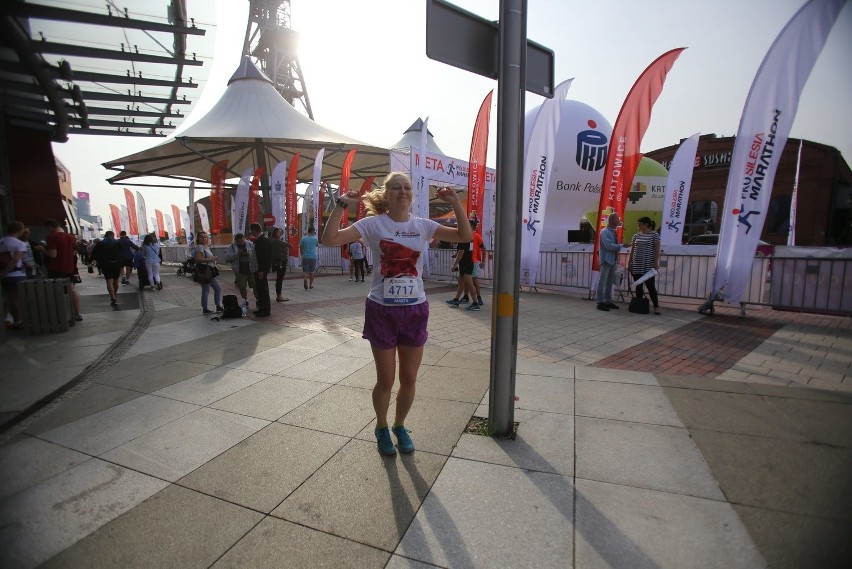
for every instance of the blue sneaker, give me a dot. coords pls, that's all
(403, 441)
(453, 302)
(479, 300)
(464, 300)
(385, 443)
(473, 306)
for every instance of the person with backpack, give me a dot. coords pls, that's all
(128, 250)
(107, 254)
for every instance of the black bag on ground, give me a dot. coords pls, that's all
(232, 307)
(639, 305)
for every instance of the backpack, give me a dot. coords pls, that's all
(231, 306)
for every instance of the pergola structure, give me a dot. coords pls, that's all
(51, 83)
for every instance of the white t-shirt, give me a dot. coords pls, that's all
(11, 245)
(399, 248)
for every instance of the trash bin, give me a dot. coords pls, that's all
(46, 305)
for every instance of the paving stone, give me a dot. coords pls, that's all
(535, 448)
(648, 456)
(272, 541)
(266, 467)
(31, 461)
(271, 398)
(339, 409)
(624, 402)
(615, 375)
(789, 476)
(181, 446)
(212, 385)
(621, 526)
(45, 519)
(364, 496)
(117, 425)
(150, 380)
(94, 399)
(174, 528)
(326, 367)
(792, 541)
(552, 394)
(274, 360)
(458, 384)
(474, 512)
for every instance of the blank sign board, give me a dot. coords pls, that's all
(467, 41)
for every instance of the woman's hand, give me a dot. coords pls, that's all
(447, 194)
(351, 197)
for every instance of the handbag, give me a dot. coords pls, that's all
(91, 269)
(203, 273)
(639, 305)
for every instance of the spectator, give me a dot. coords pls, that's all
(204, 256)
(263, 251)
(359, 259)
(243, 261)
(62, 260)
(12, 272)
(128, 249)
(153, 258)
(644, 256)
(280, 252)
(107, 254)
(608, 256)
(308, 249)
(30, 266)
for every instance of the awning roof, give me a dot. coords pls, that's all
(251, 125)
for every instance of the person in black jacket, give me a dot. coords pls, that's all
(128, 249)
(107, 254)
(263, 252)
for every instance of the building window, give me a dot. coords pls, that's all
(701, 218)
(778, 216)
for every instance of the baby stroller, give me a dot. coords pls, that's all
(187, 268)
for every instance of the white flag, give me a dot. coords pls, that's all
(241, 202)
(764, 127)
(125, 219)
(170, 225)
(190, 225)
(277, 194)
(538, 167)
(155, 228)
(794, 199)
(141, 215)
(315, 191)
(677, 192)
(417, 169)
(202, 214)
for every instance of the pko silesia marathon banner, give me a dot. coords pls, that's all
(539, 156)
(767, 118)
(676, 197)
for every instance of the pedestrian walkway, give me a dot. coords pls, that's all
(643, 441)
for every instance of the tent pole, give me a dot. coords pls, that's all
(260, 156)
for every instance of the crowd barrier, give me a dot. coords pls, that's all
(804, 279)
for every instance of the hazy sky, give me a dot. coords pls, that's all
(368, 76)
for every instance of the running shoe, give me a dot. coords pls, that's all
(385, 442)
(479, 300)
(464, 300)
(473, 306)
(454, 302)
(403, 441)
(206, 312)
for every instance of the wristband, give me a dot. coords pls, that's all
(341, 203)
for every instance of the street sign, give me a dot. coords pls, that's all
(470, 42)
(268, 220)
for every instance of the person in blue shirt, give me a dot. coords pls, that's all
(608, 256)
(308, 250)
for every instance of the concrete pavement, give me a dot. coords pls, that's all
(643, 441)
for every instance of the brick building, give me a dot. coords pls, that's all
(824, 207)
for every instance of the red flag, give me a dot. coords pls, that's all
(254, 197)
(627, 133)
(116, 217)
(217, 195)
(131, 213)
(291, 226)
(346, 172)
(161, 224)
(362, 207)
(176, 216)
(476, 168)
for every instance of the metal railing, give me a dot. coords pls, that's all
(810, 284)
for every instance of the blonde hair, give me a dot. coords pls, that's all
(375, 201)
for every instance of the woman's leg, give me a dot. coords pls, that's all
(409, 364)
(279, 279)
(639, 288)
(652, 291)
(217, 292)
(205, 294)
(385, 375)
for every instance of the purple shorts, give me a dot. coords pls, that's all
(387, 327)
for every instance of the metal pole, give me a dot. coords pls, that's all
(510, 122)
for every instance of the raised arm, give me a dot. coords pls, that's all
(462, 232)
(332, 234)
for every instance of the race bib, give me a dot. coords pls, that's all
(400, 290)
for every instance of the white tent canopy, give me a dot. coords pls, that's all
(251, 126)
(411, 138)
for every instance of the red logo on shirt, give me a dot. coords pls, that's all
(398, 259)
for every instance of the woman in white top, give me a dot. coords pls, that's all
(396, 310)
(204, 256)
